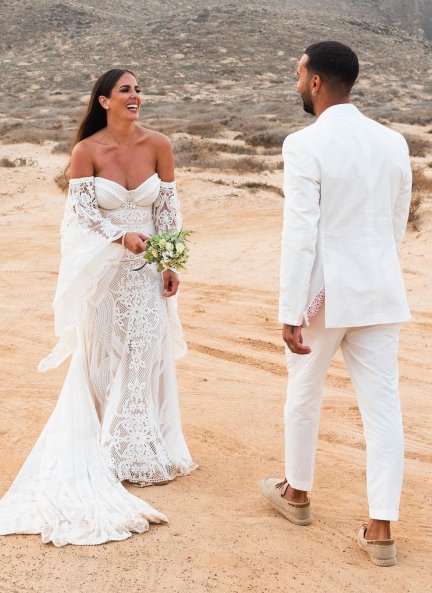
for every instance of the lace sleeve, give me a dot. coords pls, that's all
(88, 255)
(166, 210)
(83, 213)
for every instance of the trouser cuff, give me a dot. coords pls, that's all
(383, 514)
(307, 486)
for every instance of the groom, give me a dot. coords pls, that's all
(347, 192)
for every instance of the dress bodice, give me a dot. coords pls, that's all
(111, 195)
(103, 207)
(129, 209)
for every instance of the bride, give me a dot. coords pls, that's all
(117, 417)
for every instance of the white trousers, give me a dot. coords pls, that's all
(370, 354)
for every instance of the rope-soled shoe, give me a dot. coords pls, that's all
(273, 489)
(381, 552)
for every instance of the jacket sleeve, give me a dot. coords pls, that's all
(403, 201)
(300, 229)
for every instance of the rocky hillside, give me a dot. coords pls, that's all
(213, 63)
(385, 16)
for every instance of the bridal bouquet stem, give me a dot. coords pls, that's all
(168, 251)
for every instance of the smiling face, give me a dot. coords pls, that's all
(304, 85)
(124, 100)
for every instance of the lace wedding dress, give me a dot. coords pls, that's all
(117, 417)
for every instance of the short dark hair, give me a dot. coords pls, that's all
(335, 63)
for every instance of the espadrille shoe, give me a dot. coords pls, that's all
(273, 490)
(381, 552)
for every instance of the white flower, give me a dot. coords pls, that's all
(169, 246)
(179, 247)
(162, 243)
(154, 253)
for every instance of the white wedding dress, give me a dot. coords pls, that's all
(117, 417)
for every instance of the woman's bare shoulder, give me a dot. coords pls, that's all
(90, 144)
(156, 139)
(81, 160)
(163, 153)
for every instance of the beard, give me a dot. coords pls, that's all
(307, 103)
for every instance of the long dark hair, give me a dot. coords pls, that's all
(95, 117)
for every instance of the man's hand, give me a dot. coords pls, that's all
(171, 283)
(293, 338)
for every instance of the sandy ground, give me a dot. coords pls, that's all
(222, 536)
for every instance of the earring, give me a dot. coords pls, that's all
(314, 94)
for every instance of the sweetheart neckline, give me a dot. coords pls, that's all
(123, 187)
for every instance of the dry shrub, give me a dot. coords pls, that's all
(22, 134)
(34, 132)
(417, 146)
(421, 182)
(205, 129)
(18, 162)
(422, 188)
(189, 153)
(255, 185)
(413, 116)
(207, 155)
(62, 181)
(416, 201)
(5, 162)
(245, 165)
(252, 185)
(61, 147)
(267, 139)
(236, 149)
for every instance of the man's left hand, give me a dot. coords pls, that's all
(293, 338)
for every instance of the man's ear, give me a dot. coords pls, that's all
(316, 83)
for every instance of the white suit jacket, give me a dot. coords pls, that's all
(347, 186)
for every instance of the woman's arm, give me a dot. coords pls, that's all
(164, 158)
(166, 211)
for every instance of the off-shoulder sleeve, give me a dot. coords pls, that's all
(82, 215)
(88, 254)
(166, 209)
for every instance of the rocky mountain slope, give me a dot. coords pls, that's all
(229, 62)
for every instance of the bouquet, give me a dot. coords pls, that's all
(168, 251)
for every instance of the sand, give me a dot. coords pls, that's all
(222, 536)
